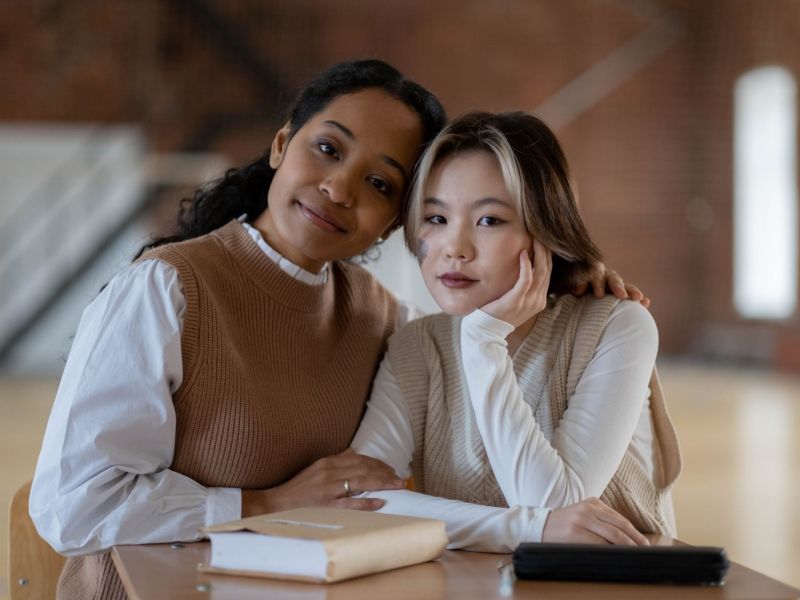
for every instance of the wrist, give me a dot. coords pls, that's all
(258, 502)
(545, 533)
(539, 519)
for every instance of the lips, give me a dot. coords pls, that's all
(322, 219)
(456, 280)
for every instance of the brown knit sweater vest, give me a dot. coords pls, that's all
(449, 458)
(276, 373)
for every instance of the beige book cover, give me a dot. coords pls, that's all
(323, 544)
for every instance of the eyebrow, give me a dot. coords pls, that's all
(476, 204)
(387, 159)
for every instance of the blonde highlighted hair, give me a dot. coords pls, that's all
(536, 175)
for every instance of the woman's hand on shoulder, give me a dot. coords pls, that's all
(602, 279)
(334, 480)
(591, 521)
(528, 297)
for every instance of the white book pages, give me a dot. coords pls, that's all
(247, 551)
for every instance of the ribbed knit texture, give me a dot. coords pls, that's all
(90, 578)
(276, 373)
(449, 458)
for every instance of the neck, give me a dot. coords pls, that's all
(266, 228)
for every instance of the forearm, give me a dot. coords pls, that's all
(385, 432)
(527, 468)
(118, 507)
(103, 474)
(592, 436)
(471, 526)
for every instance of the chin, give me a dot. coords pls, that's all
(456, 309)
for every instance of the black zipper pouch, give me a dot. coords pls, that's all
(631, 564)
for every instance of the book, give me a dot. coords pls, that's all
(322, 544)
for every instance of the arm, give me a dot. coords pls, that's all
(588, 445)
(386, 434)
(103, 474)
(102, 477)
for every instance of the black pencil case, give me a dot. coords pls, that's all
(635, 564)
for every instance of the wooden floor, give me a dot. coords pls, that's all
(740, 436)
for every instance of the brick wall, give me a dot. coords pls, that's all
(644, 93)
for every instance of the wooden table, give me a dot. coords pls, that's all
(160, 571)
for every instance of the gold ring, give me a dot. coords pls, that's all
(347, 488)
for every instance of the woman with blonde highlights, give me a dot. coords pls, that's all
(522, 413)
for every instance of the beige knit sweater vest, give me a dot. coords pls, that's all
(449, 458)
(276, 372)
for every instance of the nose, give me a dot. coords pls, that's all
(339, 188)
(459, 246)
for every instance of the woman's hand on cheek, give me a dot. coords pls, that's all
(528, 297)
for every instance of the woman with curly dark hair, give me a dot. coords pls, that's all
(224, 373)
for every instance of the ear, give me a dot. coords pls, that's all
(279, 145)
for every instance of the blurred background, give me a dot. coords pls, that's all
(679, 118)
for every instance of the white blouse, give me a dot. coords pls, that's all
(103, 475)
(608, 413)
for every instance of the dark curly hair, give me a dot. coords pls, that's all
(244, 190)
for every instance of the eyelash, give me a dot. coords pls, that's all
(381, 185)
(494, 221)
(324, 146)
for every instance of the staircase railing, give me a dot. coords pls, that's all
(52, 231)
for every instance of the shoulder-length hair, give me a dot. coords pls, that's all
(536, 175)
